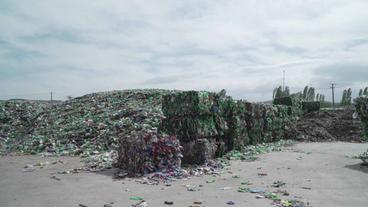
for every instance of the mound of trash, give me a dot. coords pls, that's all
(87, 125)
(328, 125)
(152, 130)
(143, 130)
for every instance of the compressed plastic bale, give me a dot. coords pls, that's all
(287, 100)
(146, 153)
(221, 148)
(239, 132)
(199, 151)
(190, 128)
(132, 153)
(361, 107)
(241, 125)
(260, 120)
(188, 103)
(257, 130)
(237, 123)
(235, 130)
(292, 101)
(310, 106)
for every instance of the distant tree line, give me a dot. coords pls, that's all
(308, 94)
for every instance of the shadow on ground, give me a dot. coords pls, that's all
(359, 167)
(108, 172)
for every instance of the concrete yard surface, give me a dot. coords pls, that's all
(321, 174)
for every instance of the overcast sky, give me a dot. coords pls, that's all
(74, 47)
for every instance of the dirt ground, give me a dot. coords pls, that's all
(319, 173)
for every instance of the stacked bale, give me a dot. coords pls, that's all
(294, 102)
(189, 115)
(310, 106)
(284, 122)
(146, 152)
(266, 123)
(192, 117)
(237, 122)
(210, 124)
(361, 106)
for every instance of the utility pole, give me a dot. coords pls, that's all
(333, 95)
(283, 80)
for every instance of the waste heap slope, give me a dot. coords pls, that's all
(16, 121)
(328, 125)
(88, 124)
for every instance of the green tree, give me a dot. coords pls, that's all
(343, 98)
(274, 93)
(346, 97)
(311, 94)
(287, 91)
(305, 92)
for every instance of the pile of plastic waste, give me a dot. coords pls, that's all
(210, 124)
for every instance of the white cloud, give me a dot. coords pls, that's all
(74, 47)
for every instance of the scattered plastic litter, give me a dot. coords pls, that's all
(246, 182)
(71, 171)
(108, 204)
(169, 203)
(210, 181)
(256, 190)
(259, 196)
(55, 178)
(243, 190)
(140, 204)
(136, 198)
(278, 184)
(192, 188)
